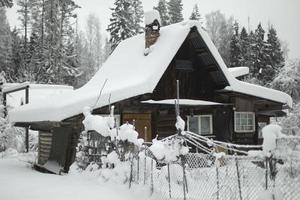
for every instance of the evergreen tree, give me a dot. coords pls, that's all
(252, 54)
(244, 47)
(163, 12)
(195, 13)
(15, 71)
(24, 17)
(175, 8)
(257, 51)
(138, 13)
(121, 24)
(235, 48)
(5, 42)
(275, 57)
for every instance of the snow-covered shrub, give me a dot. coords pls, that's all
(11, 137)
(118, 174)
(103, 139)
(288, 79)
(291, 123)
(168, 150)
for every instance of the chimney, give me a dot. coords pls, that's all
(152, 21)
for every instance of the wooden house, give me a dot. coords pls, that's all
(142, 87)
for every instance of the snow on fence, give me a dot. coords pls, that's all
(205, 177)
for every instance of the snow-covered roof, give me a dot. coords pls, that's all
(37, 92)
(238, 71)
(184, 102)
(129, 73)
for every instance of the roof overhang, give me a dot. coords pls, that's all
(183, 102)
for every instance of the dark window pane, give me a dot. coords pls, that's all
(193, 124)
(205, 125)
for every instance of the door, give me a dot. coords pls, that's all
(141, 120)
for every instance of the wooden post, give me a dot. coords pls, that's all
(145, 134)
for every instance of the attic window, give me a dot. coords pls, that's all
(184, 65)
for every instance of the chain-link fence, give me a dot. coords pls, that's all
(204, 176)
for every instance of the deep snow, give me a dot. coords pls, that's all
(18, 181)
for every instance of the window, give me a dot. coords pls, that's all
(244, 122)
(201, 124)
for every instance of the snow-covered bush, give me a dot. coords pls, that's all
(291, 123)
(288, 79)
(11, 137)
(168, 150)
(103, 139)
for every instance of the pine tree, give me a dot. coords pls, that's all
(163, 12)
(24, 17)
(273, 50)
(235, 48)
(261, 70)
(121, 24)
(244, 46)
(5, 42)
(195, 13)
(175, 8)
(15, 71)
(138, 13)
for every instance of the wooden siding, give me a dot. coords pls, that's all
(45, 143)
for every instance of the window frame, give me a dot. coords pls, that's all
(253, 122)
(199, 123)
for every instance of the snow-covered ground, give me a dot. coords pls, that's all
(18, 181)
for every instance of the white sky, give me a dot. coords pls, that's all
(283, 14)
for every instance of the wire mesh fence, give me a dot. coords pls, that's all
(203, 176)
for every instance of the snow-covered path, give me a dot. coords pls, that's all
(19, 182)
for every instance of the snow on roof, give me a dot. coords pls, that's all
(37, 92)
(7, 87)
(260, 91)
(238, 71)
(184, 102)
(152, 15)
(129, 73)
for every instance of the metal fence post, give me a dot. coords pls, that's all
(145, 167)
(169, 180)
(218, 181)
(238, 178)
(152, 187)
(266, 175)
(131, 173)
(138, 169)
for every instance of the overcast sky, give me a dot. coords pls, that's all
(283, 14)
